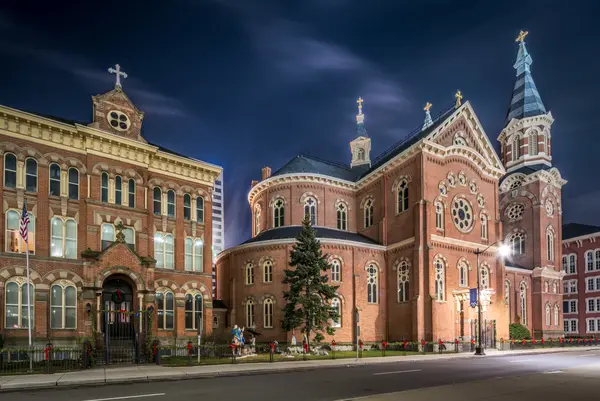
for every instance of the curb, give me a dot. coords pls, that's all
(260, 371)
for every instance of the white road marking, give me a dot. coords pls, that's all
(398, 371)
(520, 360)
(584, 355)
(554, 372)
(128, 397)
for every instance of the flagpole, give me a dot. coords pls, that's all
(29, 300)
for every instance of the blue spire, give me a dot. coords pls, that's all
(360, 120)
(526, 100)
(428, 121)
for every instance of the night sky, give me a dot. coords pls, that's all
(249, 83)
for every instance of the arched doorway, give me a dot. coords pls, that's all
(118, 305)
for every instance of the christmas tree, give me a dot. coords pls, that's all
(308, 299)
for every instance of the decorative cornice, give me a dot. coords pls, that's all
(517, 125)
(461, 243)
(520, 270)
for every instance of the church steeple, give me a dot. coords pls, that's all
(360, 119)
(526, 100)
(361, 146)
(428, 121)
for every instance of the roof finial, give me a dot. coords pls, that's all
(360, 117)
(458, 97)
(119, 73)
(428, 121)
(521, 37)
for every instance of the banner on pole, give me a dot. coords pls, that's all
(473, 297)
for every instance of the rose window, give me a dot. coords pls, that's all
(462, 214)
(515, 184)
(515, 211)
(549, 208)
(118, 120)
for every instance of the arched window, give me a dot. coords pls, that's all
(187, 207)
(63, 238)
(515, 149)
(556, 315)
(565, 266)
(200, 209)
(188, 254)
(548, 318)
(268, 271)
(193, 310)
(439, 216)
(550, 244)
(107, 235)
(215, 322)
(485, 277)
(14, 241)
(546, 287)
(118, 190)
(256, 220)
(268, 313)
(17, 304)
(440, 280)
(523, 297)
(372, 284)
(336, 306)
(250, 313)
(554, 288)
(163, 251)
(104, 187)
(157, 200)
(533, 148)
(402, 195)
(278, 213)
(336, 270)
(310, 210)
(342, 217)
(403, 281)
(165, 309)
(361, 154)
(129, 237)
(10, 170)
(484, 227)
(368, 213)
(463, 274)
(31, 175)
(63, 306)
(517, 243)
(54, 180)
(73, 183)
(171, 203)
(249, 273)
(131, 192)
(198, 255)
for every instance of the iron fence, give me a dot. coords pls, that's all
(40, 360)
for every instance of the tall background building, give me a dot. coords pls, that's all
(218, 230)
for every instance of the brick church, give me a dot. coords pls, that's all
(116, 224)
(401, 229)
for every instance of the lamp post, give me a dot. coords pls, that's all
(503, 251)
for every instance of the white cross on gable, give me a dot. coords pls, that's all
(119, 73)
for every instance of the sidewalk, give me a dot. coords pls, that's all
(146, 373)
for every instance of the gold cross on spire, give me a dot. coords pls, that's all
(360, 102)
(458, 97)
(521, 37)
(427, 106)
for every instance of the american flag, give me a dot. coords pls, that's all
(23, 228)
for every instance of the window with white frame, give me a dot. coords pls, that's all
(597, 259)
(533, 144)
(268, 271)
(592, 305)
(268, 313)
(589, 261)
(336, 306)
(165, 309)
(485, 277)
(193, 254)
(200, 209)
(372, 284)
(336, 270)
(63, 305)
(342, 217)
(548, 316)
(73, 183)
(439, 216)
(157, 201)
(570, 306)
(517, 243)
(402, 196)
(403, 281)
(14, 242)
(278, 213)
(104, 187)
(187, 207)
(550, 244)
(54, 175)
(571, 326)
(463, 274)
(523, 297)
(131, 192)
(10, 170)
(369, 213)
(556, 315)
(17, 304)
(63, 238)
(593, 325)
(163, 250)
(31, 175)
(249, 273)
(250, 313)
(484, 226)
(592, 284)
(193, 310)
(118, 190)
(572, 263)
(440, 280)
(310, 210)
(171, 203)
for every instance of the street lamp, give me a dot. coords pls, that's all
(503, 251)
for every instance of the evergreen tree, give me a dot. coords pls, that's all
(308, 299)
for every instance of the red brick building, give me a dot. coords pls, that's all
(110, 213)
(401, 230)
(581, 285)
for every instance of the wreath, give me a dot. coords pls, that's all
(117, 297)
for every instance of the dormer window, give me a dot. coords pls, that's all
(118, 120)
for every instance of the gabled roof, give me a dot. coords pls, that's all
(289, 232)
(573, 230)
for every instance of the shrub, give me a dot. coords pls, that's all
(519, 332)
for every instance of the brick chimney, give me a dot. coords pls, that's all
(254, 182)
(266, 172)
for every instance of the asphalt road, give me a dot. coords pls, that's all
(325, 384)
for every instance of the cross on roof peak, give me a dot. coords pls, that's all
(117, 71)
